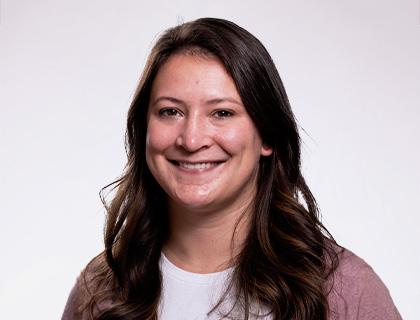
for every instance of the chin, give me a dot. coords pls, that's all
(198, 204)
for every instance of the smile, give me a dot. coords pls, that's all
(197, 166)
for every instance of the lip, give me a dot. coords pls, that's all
(196, 165)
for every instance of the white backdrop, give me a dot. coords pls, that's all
(68, 70)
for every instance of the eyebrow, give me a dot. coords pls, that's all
(221, 100)
(209, 102)
(171, 99)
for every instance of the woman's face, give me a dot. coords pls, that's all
(201, 146)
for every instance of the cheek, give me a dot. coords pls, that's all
(231, 141)
(155, 140)
(244, 138)
(155, 145)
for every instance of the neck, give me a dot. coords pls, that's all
(204, 243)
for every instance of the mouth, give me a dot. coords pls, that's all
(196, 166)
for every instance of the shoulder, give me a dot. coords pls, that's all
(358, 292)
(70, 308)
(92, 288)
(74, 302)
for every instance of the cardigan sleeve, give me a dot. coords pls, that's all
(358, 292)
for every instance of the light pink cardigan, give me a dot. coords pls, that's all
(357, 293)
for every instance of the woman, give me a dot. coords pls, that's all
(212, 217)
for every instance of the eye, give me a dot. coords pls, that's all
(169, 112)
(223, 114)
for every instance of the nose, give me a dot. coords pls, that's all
(194, 134)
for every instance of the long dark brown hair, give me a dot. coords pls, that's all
(287, 257)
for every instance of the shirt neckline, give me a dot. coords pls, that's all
(167, 267)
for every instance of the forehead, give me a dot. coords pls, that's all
(201, 56)
(196, 53)
(189, 72)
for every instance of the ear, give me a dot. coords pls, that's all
(266, 150)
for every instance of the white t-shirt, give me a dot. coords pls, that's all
(190, 296)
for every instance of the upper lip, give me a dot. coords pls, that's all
(195, 161)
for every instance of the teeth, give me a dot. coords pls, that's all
(197, 166)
